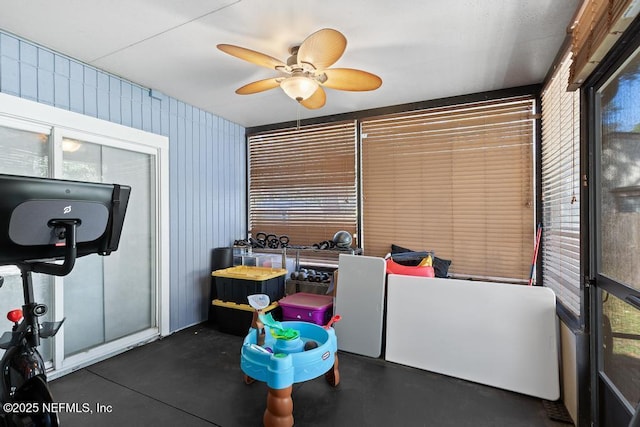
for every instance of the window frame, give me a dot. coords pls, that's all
(359, 116)
(308, 208)
(455, 141)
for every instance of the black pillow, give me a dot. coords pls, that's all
(408, 257)
(395, 249)
(441, 266)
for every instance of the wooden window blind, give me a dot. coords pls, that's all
(302, 182)
(560, 252)
(597, 26)
(455, 180)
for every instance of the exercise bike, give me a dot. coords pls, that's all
(44, 221)
(25, 392)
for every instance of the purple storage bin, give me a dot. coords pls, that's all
(306, 307)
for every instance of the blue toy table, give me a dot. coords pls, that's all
(289, 363)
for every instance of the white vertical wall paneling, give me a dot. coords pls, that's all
(207, 157)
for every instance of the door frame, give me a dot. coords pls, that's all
(606, 402)
(67, 123)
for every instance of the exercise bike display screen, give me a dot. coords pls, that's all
(31, 210)
(29, 222)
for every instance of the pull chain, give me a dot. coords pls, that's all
(574, 199)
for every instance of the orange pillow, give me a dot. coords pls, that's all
(395, 268)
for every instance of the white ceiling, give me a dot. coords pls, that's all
(422, 49)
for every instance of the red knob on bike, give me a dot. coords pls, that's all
(15, 315)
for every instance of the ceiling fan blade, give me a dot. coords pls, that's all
(322, 48)
(259, 86)
(251, 56)
(316, 100)
(351, 79)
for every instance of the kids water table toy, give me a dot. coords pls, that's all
(282, 361)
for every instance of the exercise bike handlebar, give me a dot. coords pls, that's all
(70, 253)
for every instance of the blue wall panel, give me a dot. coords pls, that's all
(207, 158)
(45, 77)
(61, 83)
(9, 64)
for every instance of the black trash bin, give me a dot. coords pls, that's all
(220, 258)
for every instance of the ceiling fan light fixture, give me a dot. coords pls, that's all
(299, 87)
(307, 72)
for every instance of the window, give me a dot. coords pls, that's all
(302, 182)
(455, 180)
(560, 256)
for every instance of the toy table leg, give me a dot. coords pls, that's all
(333, 375)
(279, 412)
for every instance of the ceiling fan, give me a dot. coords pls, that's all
(307, 71)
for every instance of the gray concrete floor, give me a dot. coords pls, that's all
(193, 378)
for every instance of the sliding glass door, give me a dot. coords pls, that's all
(112, 296)
(113, 302)
(617, 242)
(24, 150)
